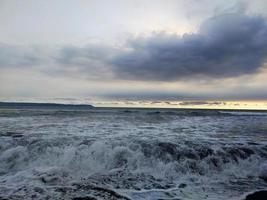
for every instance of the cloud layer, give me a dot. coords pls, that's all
(225, 46)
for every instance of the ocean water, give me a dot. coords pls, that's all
(131, 154)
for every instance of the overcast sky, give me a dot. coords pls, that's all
(134, 49)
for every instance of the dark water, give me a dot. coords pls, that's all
(131, 154)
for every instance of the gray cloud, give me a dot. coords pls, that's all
(84, 56)
(88, 61)
(67, 55)
(20, 56)
(225, 46)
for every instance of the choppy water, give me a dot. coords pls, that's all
(131, 154)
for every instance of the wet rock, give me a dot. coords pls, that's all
(259, 195)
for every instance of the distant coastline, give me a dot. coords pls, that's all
(28, 105)
(69, 106)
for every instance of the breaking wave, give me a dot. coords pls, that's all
(125, 165)
(135, 155)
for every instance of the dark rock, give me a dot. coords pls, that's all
(259, 195)
(263, 178)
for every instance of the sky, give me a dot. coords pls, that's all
(163, 53)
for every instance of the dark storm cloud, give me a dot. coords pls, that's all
(225, 46)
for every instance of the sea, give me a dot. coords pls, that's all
(128, 153)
